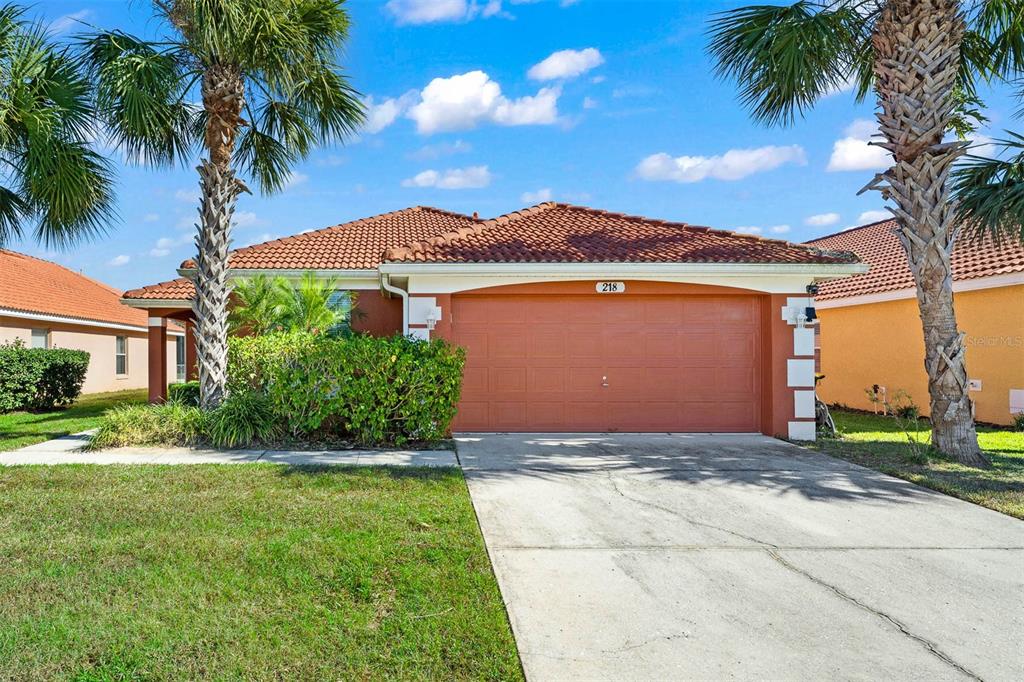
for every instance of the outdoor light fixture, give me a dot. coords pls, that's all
(812, 289)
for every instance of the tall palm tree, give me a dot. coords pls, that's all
(52, 178)
(922, 59)
(270, 89)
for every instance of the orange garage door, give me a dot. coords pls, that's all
(608, 362)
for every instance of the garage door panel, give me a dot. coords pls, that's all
(672, 363)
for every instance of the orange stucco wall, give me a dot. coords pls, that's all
(882, 343)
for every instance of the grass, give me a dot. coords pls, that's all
(884, 443)
(18, 429)
(245, 572)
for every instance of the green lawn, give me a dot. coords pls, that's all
(882, 443)
(245, 572)
(18, 429)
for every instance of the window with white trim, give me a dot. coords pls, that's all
(40, 338)
(121, 355)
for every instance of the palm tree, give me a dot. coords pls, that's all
(922, 59)
(270, 91)
(52, 177)
(259, 304)
(312, 306)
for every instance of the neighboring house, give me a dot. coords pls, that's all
(574, 319)
(870, 328)
(48, 306)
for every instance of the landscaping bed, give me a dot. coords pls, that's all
(900, 448)
(19, 429)
(254, 572)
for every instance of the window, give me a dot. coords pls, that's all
(179, 357)
(40, 338)
(121, 355)
(342, 300)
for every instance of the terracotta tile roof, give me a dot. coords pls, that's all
(356, 245)
(180, 289)
(877, 245)
(33, 285)
(562, 233)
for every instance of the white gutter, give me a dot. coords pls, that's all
(42, 317)
(573, 270)
(385, 283)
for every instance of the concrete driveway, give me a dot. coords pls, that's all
(739, 557)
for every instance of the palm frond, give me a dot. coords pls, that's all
(141, 96)
(14, 212)
(990, 192)
(785, 58)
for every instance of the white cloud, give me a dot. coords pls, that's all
(188, 196)
(331, 160)
(151, 217)
(165, 245)
(537, 197)
(822, 219)
(589, 103)
(852, 151)
(566, 64)
(433, 11)
(751, 229)
(247, 219)
(466, 100)
(873, 216)
(732, 165)
(380, 115)
(431, 152)
(265, 237)
(471, 177)
(748, 230)
(73, 21)
(118, 261)
(779, 229)
(294, 179)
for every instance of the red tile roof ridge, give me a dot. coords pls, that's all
(410, 250)
(134, 293)
(190, 263)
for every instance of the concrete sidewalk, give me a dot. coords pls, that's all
(68, 450)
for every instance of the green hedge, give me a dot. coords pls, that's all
(367, 389)
(40, 378)
(186, 393)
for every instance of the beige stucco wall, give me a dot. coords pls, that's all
(882, 343)
(100, 344)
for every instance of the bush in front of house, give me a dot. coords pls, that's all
(40, 378)
(367, 389)
(186, 393)
(302, 387)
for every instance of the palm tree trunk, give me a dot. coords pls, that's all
(223, 97)
(917, 56)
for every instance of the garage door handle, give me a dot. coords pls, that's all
(604, 381)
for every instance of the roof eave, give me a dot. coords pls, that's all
(816, 270)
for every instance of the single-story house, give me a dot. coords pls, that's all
(574, 319)
(46, 305)
(870, 328)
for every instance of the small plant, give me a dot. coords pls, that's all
(241, 420)
(186, 393)
(906, 413)
(1018, 422)
(168, 424)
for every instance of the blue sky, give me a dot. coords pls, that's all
(489, 106)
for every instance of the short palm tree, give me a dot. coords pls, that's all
(53, 180)
(312, 306)
(922, 59)
(259, 304)
(270, 89)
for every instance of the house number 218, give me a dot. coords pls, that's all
(611, 287)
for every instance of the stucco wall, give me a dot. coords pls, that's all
(882, 343)
(100, 344)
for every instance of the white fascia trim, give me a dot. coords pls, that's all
(586, 270)
(156, 303)
(42, 317)
(977, 284)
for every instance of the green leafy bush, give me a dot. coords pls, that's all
(40, 378)
(1018, 421)
(242, 420)
(168, 424)
(186, 393)
(372, 390)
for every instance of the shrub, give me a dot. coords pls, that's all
(1018, 421)
(40, 378)
(241, 420)
(167, 424)
(186, 393)
(372, 390)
